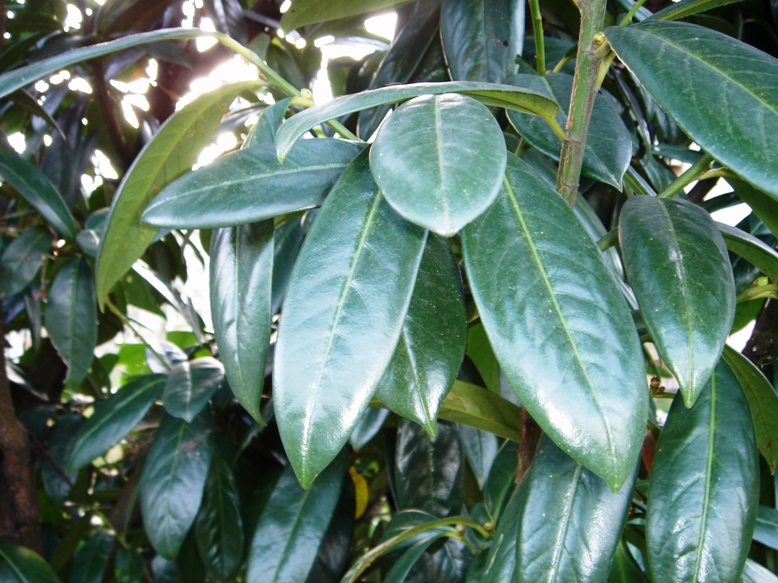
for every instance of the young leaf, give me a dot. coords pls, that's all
(696, 75)
(562, 331)
(432, 343)
(21, 565)
(476, 407)
(22, 259)
(114, 418)
(89, 564)
(674, 256)
(704, 487)
(350, 290)
(751, 249)
(427, 173)
(189, 385)
(174, 474)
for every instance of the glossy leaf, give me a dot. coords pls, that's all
(431, 346)
(476, 407)
(264, 131)
(89, 564)
(113, 419)
(403, 566)
(763, 205)
(696, 75)
(704, 487)
(369, 425)
(293, 525)
(60, 441)
(429, 176)
(189, 385)
(500, 483)
(625, 569)
(303, 12)
(490, 94)
(36, 189)
(766, 530)
(570, 520)
(686, 8)
(335, 550)
(501, 560)
(562, 331)
(21, 260)
(167, 156)
(762, 401)
(71, 317)
(241, 272)
(756, 573)
(481, 39)
(480, 449)
(174, 475)
(608, 149)
(21, 565)
(250, 185)
(287, 240)
(751, 249)
(674, 256)
(480, 352)
(349, 290)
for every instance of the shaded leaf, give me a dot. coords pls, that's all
(402, 566)
(22, 259)
(271, 118)
(368, 426)
(21, 565)
(501, 560)
(189, 385)
(501, 481)
(751, 249)
(303, 12)
(625, 569)
(480, 352)
(756, 573)
(89, 564)
(480, 449)
(686, 8)
(766, 530)
(764, 206)
(476, 407)
(129, 566)
(60, 442)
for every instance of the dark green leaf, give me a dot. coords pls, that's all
(763, 205)
(335, 550)
(71, 317)
(625, 569)
(114, 418)
(89, 564)
(696, 75)
(686, 8)
(287, 241)
(480, 449)
(241, 271)
(704, 487)
(756, 573)
(506, 96)
(303, 12)
(427, 174)
(21, 565)
(751, 249)
(674, 256)
(402, 566)
(22, 259)
(369, 425)
(476, 407)
(562, 331)
(570, 520)
(271, 118)
(766, 530)
(431, 346)
(60, 442)
(36, 189)
(342, 317)
(250, 185)
(129, 566)
(502, 475)
(189, 385)
(174, 474)
(293, 525)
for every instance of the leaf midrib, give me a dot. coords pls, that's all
(562, 532)
(708, 481)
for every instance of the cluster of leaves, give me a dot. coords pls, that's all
(400, 302)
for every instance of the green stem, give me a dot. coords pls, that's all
(537, 30)
(568, 56)
(691, 174)
(608, 240)
(631, 14)
(760, 292)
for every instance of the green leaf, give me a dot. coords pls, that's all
(271, 118)
(763, 403)
(764, 206)
(570, 520)
(686, 8)
(562, 332)
(427, 173)
(293, 524)
(506, 96)
(674, 256)
(21, 565)
(756, 573)
(480, 352)
(129, 566)
(608, 149)
(401, 568)
(59, 444)
(174, 474)
(89, 564)
(766, 530)
(241, 271)
(250, 185)
(22, 259)
(368, 426)
(287, 241)
(431, 346)
(171, 153)
(189, 385)
(219, 525)
(113, 419)
(71, 317)
(304, 12)
(704, 487)
(751, 249)
(500, 483)
(342, 317)
(36, 189)
(625, 569)
(476, 407)
(480, 449)
(696, 75)
(501, 560)
(335, 550)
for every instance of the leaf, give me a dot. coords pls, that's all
(293, 524)
(766, 530)
(167, 156)
(562, 332)
(704, 487)
(36, 189)
(476, 407)
(368, 426)
(174, 474)
(570, 520)
(431, 346)
(241, 272)
(250, 185)
(402, 566)
(686, 8)
(71, 317)
(696, 75)
(59, 444)
(334, 552)
(304, 12)
(189, 385)
(22, 259)
(113, 419)
(674, 256)
(763, 205)
(500, 483)
(762, 401)
(480, 449)
(342, 316)
(21, 565)
(89, 564)
(488, 93)
(751, 249)
(756, 573)
(129, 566)
(287, 240)
(625, 569)
(481, 39)
(271, 118)
(480, 352)
(429, 176)
(608, 149)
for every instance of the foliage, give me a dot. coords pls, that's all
(433, 332)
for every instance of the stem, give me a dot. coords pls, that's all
(631, 14)
(537, 30)
(608, 240)
(760, 292)
(691, 174)
(587, 71)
